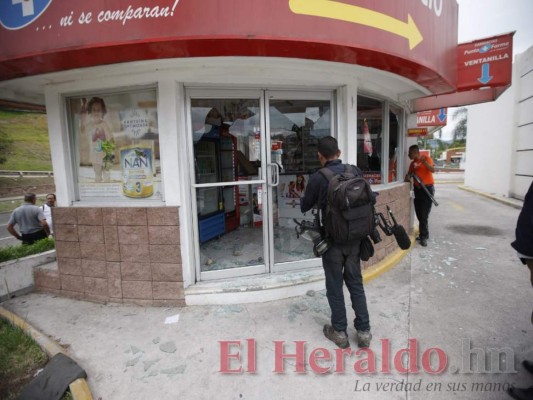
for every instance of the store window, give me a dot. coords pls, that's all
(116, 142)
(378, 139)
(370, 138)
(395, 123)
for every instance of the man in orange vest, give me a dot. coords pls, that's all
(423, 167)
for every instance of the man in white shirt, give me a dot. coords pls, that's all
(47, 209)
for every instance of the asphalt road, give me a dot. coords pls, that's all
(5, 238)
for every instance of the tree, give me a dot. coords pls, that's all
(460, 130)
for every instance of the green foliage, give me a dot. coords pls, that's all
(460, 130)
(29, 149)
(20, 357)
(109, 154)
(23, 250)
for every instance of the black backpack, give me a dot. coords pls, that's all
(350, 205)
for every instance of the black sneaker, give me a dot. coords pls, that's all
(423, 242)
(339, 338)
(363, 338)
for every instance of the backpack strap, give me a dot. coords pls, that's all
(327, 173)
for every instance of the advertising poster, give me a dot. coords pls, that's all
(117, 142)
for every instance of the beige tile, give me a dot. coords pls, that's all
(164, 234)
(72, 283)
(93, 251)
(168, 291)
(112, 252)
(69, 266)
(67, 233)
(94, 269)
(67, 249)
(163, 272)
(165, 253)
(131, 216)
(65, 216)
(133, 235)
(163, 216)
(109, 216)
(91, 233)
(134, 253)
(133, 271)
(89, 216)
(137, 290)
(95, 286)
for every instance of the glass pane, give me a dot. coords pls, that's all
(295, 128)
(395, 118)
(117, 138)
(227, 148)
(369, 138)
(226, 137)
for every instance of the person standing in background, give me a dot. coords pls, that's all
(47, 210)
(423, 167)
(523, 245)
(30, 220)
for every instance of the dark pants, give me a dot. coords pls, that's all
(30, 238)
(342, 263)
(422, 209)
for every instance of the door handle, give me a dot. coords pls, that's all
(274, 174)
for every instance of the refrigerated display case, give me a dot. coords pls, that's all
(216, 161)
(209, 202)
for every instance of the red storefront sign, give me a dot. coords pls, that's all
(485, 62)
(38, 36)
(484, 72)
(432, 117)
(415, 132)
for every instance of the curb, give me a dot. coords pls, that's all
(386, 264)
(491, 196)
(79, 388)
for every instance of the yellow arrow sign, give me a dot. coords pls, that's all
(359, 15)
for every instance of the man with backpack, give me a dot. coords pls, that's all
(341, 262)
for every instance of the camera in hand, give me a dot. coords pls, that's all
(313, 231)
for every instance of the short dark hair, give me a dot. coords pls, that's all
(328, 147)
(29, 197)
(414, 147)
(51, 194)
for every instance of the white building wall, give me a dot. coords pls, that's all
(523, 140)
(489, 145)
(499, 154)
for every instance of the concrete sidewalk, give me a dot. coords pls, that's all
(460, 297)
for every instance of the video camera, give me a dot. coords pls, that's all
(313, 231)
(390, 227)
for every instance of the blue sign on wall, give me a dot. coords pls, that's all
(16, 14)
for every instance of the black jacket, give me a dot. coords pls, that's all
(524, 226)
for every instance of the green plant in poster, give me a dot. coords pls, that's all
(108, 148)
